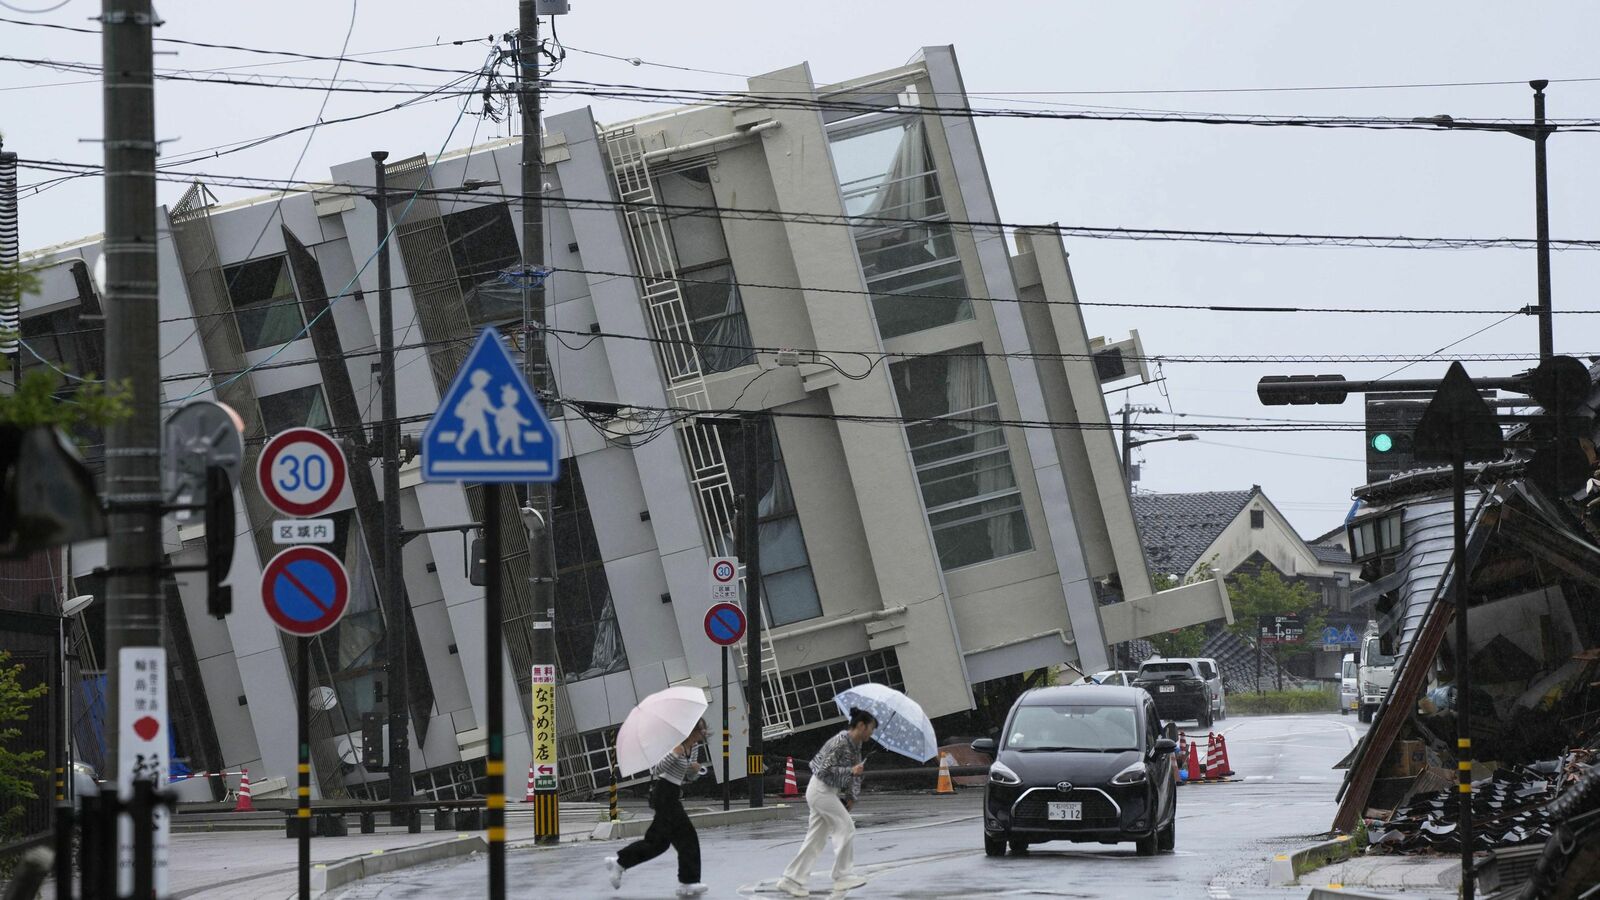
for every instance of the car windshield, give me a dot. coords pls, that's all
(1374, 656)
(1092, 729)
(1169, 668)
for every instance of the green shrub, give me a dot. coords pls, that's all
(1282, 702)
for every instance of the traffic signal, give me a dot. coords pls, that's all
(1301, 390)
(47, 494)
(219, 540)
(1564, 453)
(1391, 419)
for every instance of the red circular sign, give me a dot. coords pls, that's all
(301, 471)
(725, 624)
(724, 571)
(305, 590)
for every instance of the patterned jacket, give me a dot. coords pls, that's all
(833, 763)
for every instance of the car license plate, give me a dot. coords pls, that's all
(1066, 812)
(1168, 688)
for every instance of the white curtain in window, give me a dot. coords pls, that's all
(903, 193)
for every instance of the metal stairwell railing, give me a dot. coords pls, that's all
(651, 241)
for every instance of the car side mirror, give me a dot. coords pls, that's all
(1172, 732)
(1165, 746)
(986, 746)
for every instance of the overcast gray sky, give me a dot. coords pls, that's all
(1231, 178)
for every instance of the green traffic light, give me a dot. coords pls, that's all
(1382, 443)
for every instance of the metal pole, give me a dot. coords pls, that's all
(1458, 484)
(547, 805)
(1541, 206)
(494, 693)
(302, 705)
(10, 255)
(727, 792)
(397, 630)
(750, 520)
(1127, 448)
(132, 307)
(63, 847)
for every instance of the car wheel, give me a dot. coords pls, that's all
(1366, 714)
(1147, 846)
(994, 846)
(1168, 838)
(1019, 848)
(1205, 718)
(1344, 711)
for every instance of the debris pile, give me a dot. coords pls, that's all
(1508, 808)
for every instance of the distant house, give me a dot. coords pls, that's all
(1244, 531)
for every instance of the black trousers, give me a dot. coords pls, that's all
(670, 828)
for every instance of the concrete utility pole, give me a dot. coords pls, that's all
(546, 805)
(755, 445)
(1541, 215)
(133, 444)
(397, 612)
(10, 257)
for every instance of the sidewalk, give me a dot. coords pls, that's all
(261, 865)
(1416, 876)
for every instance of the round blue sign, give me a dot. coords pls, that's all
(725, 624)
(305, 590)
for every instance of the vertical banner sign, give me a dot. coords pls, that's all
(724, 579)
(544, 727)
(142, 744)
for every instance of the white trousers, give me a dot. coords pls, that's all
(829, 818)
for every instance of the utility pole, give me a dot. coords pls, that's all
(750, 521)
(546, 803)
(397, 613)
(133, 444)
(10, 258)
(1541, 212)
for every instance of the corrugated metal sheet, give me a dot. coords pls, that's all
(1429, 544)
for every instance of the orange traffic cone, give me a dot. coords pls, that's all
(1223, 767)
(244, 804)
(944, 786)
(791, 787)
(528, 797)
(1196, 767)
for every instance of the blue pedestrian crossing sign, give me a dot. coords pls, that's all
(489, 426)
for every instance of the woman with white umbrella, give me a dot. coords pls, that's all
(661, 734)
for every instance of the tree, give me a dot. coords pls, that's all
(1267, 594)
(18, 774)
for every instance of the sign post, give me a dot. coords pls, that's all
(725, 626)
(305, 589)
(491, 429)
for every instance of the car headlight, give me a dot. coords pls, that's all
(1000, 773)
(1133, 774)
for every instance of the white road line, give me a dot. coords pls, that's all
(1249, 778)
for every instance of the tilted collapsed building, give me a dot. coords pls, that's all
(908, 534)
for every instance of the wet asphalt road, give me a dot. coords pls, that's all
(911, 846)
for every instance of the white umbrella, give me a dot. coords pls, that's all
(659, 723)
(902, 725)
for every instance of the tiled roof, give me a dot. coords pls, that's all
(1331, 553)
(1177, 528)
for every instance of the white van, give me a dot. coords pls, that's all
(1349, 688)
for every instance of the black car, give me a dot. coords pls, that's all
(1080, 763)
(1180, 694)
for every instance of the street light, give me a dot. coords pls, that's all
(1537, 132)
(69, 608)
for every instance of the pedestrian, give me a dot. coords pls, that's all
(835, 785)
(671, 826)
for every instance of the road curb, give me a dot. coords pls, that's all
(326, 877)
(1286, 868)
(633, 828)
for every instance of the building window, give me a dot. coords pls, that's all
(294, 408)
(709, 289)
(1258, 518)
(264, 302)
(588, 640)
(585, 760)
(786, 582)
(963, 464)
(810, 693)
(886, 171)
(483, 243)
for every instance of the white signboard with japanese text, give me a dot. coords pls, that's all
(302, 531)
(142, 752)
(724, 580)
(544, 727)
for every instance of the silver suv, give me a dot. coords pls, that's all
(1203, 668)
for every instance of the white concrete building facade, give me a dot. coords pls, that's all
(920, 524)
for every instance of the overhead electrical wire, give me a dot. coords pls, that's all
(1097, 232)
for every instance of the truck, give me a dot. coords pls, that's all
(1374, 673)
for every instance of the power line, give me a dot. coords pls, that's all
(1099, 232)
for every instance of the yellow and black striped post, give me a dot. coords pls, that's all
(1463, 653)
(614, 816)
(727, 789)
(493, 628)
(61, 785)
(302, 702)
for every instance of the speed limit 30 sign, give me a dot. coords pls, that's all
(301, 472)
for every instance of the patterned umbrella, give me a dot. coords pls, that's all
(902, 725)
